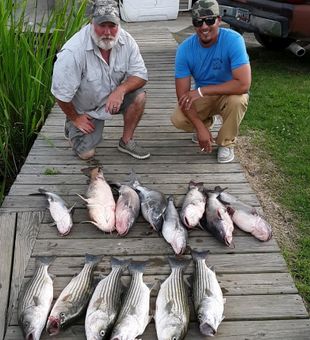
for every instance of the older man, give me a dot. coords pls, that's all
(217, 60)
(100, 72)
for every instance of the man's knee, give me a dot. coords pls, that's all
(139, 101)
(87, 154)
(239, 102)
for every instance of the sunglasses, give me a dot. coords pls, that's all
(208, 20)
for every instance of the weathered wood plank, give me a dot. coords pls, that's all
(27, 229)
(146, 246)
(232, 330)
(158, 264)
(7, 232)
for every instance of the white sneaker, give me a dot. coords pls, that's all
(225, 154)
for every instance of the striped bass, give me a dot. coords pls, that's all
(208, 296)
(74, 298)
(100, 200)
(172, 304)
(105, 303)
(173, 230)
(134, 314)
(35, 301)
(194, 205)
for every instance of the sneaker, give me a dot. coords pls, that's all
(225, 154)
(194, 136)
(66, 132)
(133, 149)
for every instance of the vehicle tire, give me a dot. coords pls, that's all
(273, 43)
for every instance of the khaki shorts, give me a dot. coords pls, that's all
(82, 142)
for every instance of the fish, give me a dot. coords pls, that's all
(194, 205)
(216, 219)
(207, 295)
(35, 300)
(100, 201)
(59, 212)
(173, 230)
(74, 298)
(134, 314)
(172, 304)
(245, 217)
(105, 303)
(153, 204)
(127, 209)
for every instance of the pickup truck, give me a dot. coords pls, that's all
(275, 24)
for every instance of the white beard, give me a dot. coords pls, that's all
(105, 42)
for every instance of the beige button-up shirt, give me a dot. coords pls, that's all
(82, 76)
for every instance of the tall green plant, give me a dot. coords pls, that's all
(27, 50)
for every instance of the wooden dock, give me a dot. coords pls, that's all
(262, 300)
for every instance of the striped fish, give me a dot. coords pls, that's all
(35, 301)
(134, 314)
(172, 304)
(73, 300)
(105, 303)
(208, 296)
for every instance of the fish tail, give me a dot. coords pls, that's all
(42, 191)
(137, 266)
(133, 179)
(199, 255)
(178, 263)
(119, 263)
(45, 260)
(92, 259)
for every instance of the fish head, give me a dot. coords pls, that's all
(32, 323)
(98, 326)
(53, 325)
(191, 216)
(179, 242)
(210, 315)
(58, 319)
(173, 331)
(64, 226)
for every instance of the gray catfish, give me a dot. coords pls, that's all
(134, 314)
(194, 205)
(153, 204)
(35, 301)
(105, 303)
(172, 304)
(246, 217)
(173, 230)
(207, 294)
(217, 220)
(74, 298)
(59, 212)
(127, 209)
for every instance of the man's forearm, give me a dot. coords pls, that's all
(68, 109)
(131, 84)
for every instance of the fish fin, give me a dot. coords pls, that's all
(119, 263)
(224, 301)
(67, 297)
(36, 300)
(137, 266)
(188, 281)
(199, 255)
(53, 224)
(72, 208)
(93, 259)
(169, 306)
(208, 292)
(213, 269)
(223, 317)
(175, 262)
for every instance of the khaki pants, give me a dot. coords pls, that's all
(231, 108)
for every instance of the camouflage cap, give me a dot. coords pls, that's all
(104, 11)
(204, 8)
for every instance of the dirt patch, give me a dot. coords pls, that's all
(263, 177)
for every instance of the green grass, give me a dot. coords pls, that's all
(279, 112)
(27, 52)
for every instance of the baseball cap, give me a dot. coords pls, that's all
(104, 11)
(204, 8)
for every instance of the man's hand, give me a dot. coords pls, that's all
(187, 99)
(205, 140)
(115, 101)
(84, 123)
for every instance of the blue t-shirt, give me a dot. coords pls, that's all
(211, 65)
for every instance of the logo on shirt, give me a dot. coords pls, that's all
(217, 64)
